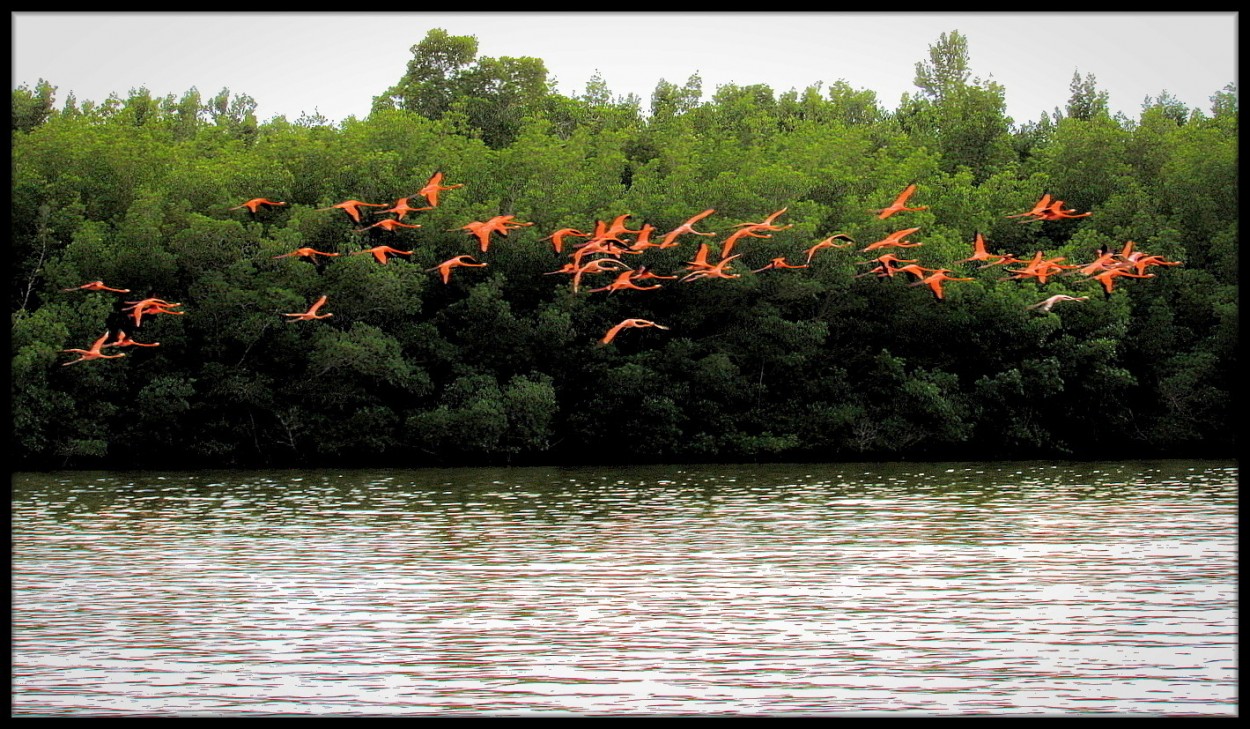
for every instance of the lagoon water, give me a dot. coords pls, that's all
(1051, 589)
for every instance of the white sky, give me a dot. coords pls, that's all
(335, 63)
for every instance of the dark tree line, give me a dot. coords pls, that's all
(503, 363)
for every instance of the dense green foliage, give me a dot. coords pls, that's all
(503, 363)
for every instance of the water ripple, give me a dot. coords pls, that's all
(869, 589)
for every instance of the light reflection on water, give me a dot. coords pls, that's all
(1023, 588)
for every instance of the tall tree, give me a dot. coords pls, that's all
(234, 113)
(670, 100)
(32, 107)
(426, 86)
(851, 106)
(1224, 102)
(490, 95)
(1086, 100)
(1172, 107)
(967, 121)
(947, 68)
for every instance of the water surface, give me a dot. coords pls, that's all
(865, 589)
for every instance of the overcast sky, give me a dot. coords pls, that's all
(335, 63)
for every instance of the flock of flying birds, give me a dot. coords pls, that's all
(605, 247)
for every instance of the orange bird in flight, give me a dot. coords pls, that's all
(139, 313)
(500, 224)
(767, 223)
(738, 235)
(380, 253)
(899, 204)
(1107, 278)
(142, 303)
(888, 259)
(1030, 265)
(507, 222)
(596, 265)
(352, 207)
(557, 238)
(700, 262)
(1140, 262)
(599, 265)
(934, 281)
(914, 269)
(1007, 259)
(1038, 208)
(150, 306)
(829, 243)
(752, 230)
(720, 270)
(603, 246)
(390, 224)
(627, 324)
(95, 352)
(779, 262)
(643, 240)
(642, 274)
(1101, 263)
(626, 280)
(894, 240)
(444, 268)
(980, 252)
(309, 253)
(480, 230)
(255, 204)
(670, 238)
(1055, 211)
(97, 286)
(569, 268)
(311, 313)
(615, 229)
(402, 208)
(433, 187)
(124, 340)
(1040, 269)
(886, 265)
